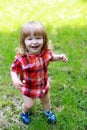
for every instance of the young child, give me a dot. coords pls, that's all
(29, 71)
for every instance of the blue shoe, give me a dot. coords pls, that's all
(25, 118)
(51, 117)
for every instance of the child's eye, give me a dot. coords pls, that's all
(29, 38)
(38, 37)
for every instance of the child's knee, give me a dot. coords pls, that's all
(46, 98)
(28, 102)
(28, 106)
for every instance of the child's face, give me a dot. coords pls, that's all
(34, 44)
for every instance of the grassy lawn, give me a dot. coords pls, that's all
(66, 24)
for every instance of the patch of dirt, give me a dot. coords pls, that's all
(10, 110)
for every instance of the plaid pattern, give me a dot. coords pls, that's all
(33, 71)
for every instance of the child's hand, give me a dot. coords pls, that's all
(63, 57)
(18, 84)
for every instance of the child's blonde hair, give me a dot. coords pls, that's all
(32, 27)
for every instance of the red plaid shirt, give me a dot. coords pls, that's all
(33, 69)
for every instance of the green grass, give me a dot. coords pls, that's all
(66, 24)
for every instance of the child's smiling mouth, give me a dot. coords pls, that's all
(35, 47)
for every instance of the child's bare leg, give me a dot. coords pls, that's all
(28, 103)
(47, 108)
(46, 102)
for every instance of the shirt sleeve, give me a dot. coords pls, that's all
(16, 65)
(50, 55)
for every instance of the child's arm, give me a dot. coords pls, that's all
(58, 57)
(16, 81)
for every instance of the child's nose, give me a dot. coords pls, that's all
(34, 41)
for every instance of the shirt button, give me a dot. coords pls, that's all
(24, 81)
(43, 91)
